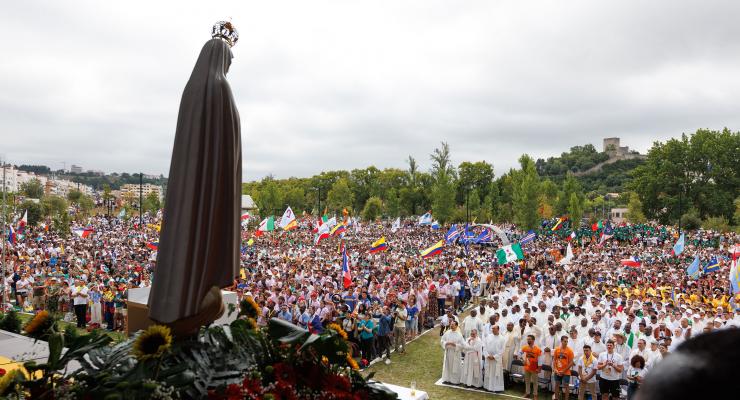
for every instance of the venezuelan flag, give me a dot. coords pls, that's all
(434, 250)
(379, 245)
(340, 228)
(153, 245)
(559, 224)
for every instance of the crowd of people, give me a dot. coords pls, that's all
(579, 322)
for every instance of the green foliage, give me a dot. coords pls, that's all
(575, 210)
(33, 189)
(36, 169)
(151, 202)
(340, 196)
(11, 322)
(392, 203)
(269, 198)
(35, 211)
(698, 171)
(476, 176)
(720, 224)
(373, 209)
(443, 197)
(578, 159)
(634, 210)
(736, 218)
(691, 219)
(526, 193)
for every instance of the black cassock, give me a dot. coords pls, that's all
(200, 237)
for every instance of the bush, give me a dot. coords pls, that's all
(373, 209)
(720, 224)
(10, 322)
(691, 220)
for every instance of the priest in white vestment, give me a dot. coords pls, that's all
(493, 351)
(512, 338)
(453, 344)
(472, 374)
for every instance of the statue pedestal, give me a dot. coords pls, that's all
(138, 313)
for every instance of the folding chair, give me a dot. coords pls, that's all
(546, 378)
(623, 384)
(516, 372)
(574, 382)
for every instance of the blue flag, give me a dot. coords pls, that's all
(529, 237)
(452, 234)
(712, 266)
(678, 247)
(693, 269)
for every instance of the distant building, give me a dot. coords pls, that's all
(618, 215)
(248, 203)
(613, 149)
(75, 169)
(132, 189)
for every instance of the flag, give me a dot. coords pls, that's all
(288, 221)
(396, 225)
(426, 219)
(245, 216)
(331, 221)
(734, 277)
(61, 248)
(122, 213)
(631, 262)
(678, 247)
(693, 270)
(435, 225)
(322, 233)
(571, 236)
(337, 230)
(530, 236)
(346, 276)
(631, 339)
(267, 225)
(433, 250)
(509, 253)
(596, 226)
(379, 245)
(83, 233)
(735, 252)
(11, 235)
(712, 266)
(153, 245)
(485, 237)
(452, 234)
(24, 221)
(559, 224)
(250, 241)
(568, 256)
(606, 234)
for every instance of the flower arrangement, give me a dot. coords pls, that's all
(236, 361)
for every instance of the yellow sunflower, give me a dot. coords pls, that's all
(250, 308)
(39, 321)
(7, 380)
(352, 363)
(338, 329)
(252, 324)
(153, 342)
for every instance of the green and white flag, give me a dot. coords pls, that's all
(509, 253)
(267, 224)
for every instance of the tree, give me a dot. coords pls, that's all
(373, 209)
(634, 210)
(719, 224)
(392, 203)
(74, 196)
(526, 193)
(474, 175)
(442, 161)
(86, 205)
(575, 211)
(340, 196)
(34, 211)
(269, 198)
(151, 202)
(443, 189)
(33, 189)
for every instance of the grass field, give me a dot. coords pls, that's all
(423, 364)
(116, 336)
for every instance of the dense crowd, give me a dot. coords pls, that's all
(525, 313)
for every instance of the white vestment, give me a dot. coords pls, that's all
(493, 377)
(511, 345)
(472, 374)
(453, 359)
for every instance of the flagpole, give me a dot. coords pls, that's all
(2, 307)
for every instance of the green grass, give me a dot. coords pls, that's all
(116, 336)
(423, 364)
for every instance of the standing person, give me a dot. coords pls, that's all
(493, 351)
(635, 375)
(79, 298)
(399, 328)
(587, 373)
(562, 364)
(512, 338)
(471, 373)
(365, 327)
(531, 354)
(610, 365)
(96, 311)
(452, 343)
(385, 326)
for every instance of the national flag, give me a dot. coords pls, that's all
(568, 256)
(11, 235)
(596, 226)
(337, 230)
(734, 277)
(267, 225)
(452, 234)
(426, 219)
(530, 236)
(631, 262)
(678, 247)
(24, 221)
(485, 237)
(433, 250)
(346, 275)
(693, 270)
(379, 245)
(607, 233)
(712, 266)
(631, 339)
(509, 253)
(735, 252)
(288, 221)
(322, 233)
(83, 233)
(245, 216)
(435, 225)
(153, 245)
(571, 236)
(558, 224)
(396, 225)
(331, 222)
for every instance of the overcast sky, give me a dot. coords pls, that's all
(342, 84)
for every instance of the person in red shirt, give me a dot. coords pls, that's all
(531, 355)
(562, 362)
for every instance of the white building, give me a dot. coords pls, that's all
(130, 189)
(75, 169)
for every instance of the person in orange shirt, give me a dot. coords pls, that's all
(531, 354)
(562, 363)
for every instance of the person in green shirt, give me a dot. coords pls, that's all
(365, 328)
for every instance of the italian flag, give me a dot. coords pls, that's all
(509, 253)
(267, 225)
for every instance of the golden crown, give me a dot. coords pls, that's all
(225, 31)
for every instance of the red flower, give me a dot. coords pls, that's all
(252, 385)
(2, 372)
(338, 383)
(284, 373)
(284, 391)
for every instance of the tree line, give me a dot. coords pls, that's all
(700, 168)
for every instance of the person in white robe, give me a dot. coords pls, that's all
(512, 338)
(493, 351)
(472, 371)
(453, 344)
